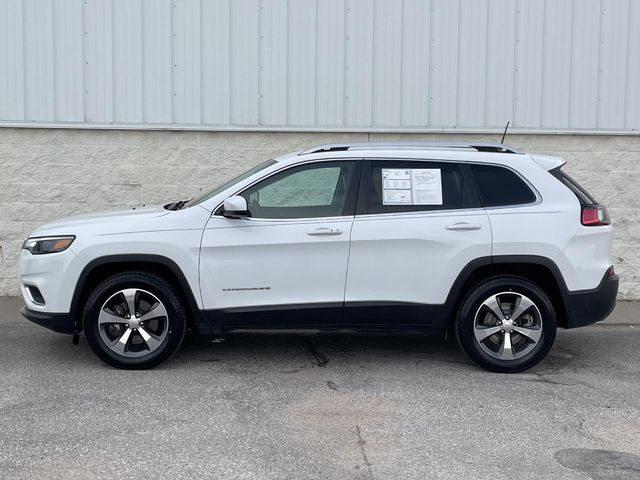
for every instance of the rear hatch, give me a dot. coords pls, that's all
(586, 259)
(593, 214)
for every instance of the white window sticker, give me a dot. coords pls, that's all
(411, 186)
(397, 197)
(396, 174)
(397, 184)
(426, 184)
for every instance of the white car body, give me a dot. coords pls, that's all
(366, 260)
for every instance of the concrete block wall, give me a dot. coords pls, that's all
(51, 173)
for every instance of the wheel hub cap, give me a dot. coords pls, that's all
(507, 325)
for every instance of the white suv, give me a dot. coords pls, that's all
(498, 246)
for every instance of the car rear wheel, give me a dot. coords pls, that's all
(134, 320)
(506, 324)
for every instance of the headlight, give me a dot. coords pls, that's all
(40, 245)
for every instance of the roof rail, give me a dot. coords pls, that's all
(494, 147)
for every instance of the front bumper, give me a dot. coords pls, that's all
(54, 274)
(587, 307)
(58, 322)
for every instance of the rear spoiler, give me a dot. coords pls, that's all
(548, 162)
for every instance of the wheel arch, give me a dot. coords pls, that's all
(102, 268)
(540, 270)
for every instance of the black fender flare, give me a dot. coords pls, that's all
(456, 291)
(131, 258)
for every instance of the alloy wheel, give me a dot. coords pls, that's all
(133, 322)
(508, 326)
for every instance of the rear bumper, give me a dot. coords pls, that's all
(58, 322)
(587, 307)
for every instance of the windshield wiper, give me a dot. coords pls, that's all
(177, 205)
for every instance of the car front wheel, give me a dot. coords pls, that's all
(506, 324)
(134, 320)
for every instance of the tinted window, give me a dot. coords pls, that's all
(414, 186)
(583, 196)
(307, 191)
(500, 186)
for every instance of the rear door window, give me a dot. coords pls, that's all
(414, 186)
(500, 186)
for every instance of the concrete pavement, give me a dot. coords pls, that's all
(325, 406)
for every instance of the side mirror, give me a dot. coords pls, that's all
(235, 207)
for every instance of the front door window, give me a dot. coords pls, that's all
(307, 191)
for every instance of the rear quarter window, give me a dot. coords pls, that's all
(583, 196)
(500, 186)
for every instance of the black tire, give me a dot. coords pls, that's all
(174, 328)
(465, 324)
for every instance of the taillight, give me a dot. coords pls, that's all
(594, 215)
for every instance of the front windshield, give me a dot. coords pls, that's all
(230, 183)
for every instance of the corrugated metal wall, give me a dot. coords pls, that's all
(333, 64)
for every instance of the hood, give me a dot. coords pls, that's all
(69, 225)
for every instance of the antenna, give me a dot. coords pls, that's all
(505, 132)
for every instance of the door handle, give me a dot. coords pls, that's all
(464, 226)
(325, 231)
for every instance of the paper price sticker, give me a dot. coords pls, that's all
(426, 186)
(413, 186)
(397, 197)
